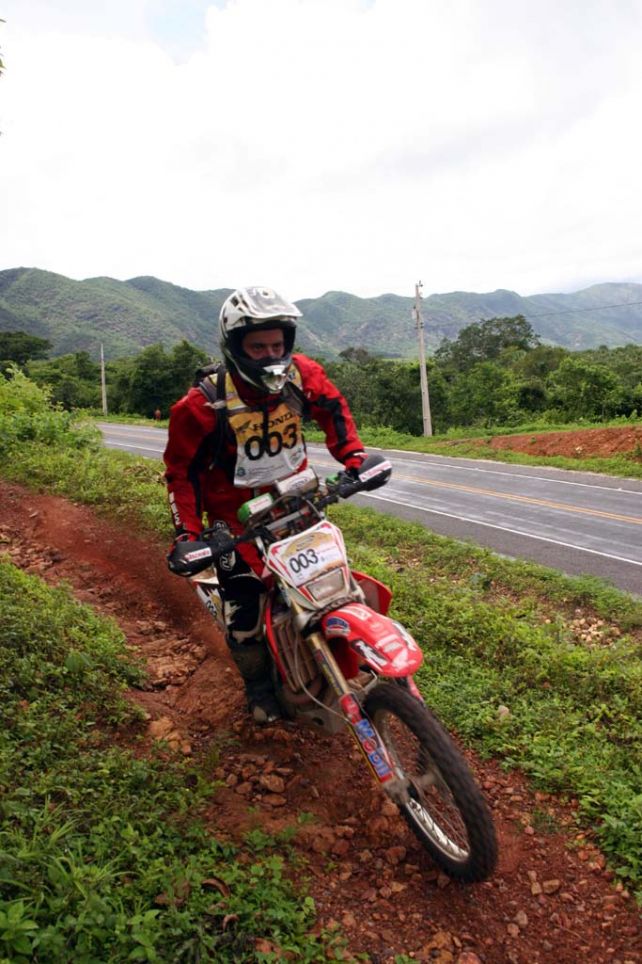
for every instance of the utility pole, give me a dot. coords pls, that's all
(425, 397)
(103, 384)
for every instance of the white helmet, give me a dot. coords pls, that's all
(246, 310)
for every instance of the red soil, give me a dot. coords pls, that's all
(584, 443)
(552, 898)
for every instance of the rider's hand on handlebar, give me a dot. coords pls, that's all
(371, 472)
(351, 468)
(353, 464)
(220, 541)
(184, 537)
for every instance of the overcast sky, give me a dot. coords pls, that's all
(316, 145)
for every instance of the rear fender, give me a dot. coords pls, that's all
(374, 639)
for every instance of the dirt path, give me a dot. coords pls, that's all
(548, 901)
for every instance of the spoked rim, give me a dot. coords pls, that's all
(427, 793)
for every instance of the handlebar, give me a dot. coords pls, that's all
(190, 558)
(374, 472)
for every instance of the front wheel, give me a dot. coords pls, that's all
(443, 805)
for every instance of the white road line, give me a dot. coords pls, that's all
(490, 525)
(460, 518)
(149, 432)
(451, 465)
(510, 475)
(123, 445)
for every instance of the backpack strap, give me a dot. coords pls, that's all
(210, 380)
(203, 371)
(293, 392)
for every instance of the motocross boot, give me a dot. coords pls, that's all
(252, 661)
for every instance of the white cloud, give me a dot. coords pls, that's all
(317, 144)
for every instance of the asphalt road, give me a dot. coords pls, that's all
(577, 522)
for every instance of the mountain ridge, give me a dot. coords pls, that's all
(126, 316)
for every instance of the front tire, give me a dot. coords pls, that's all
(443, 806)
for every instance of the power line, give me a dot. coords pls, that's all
(572, 311)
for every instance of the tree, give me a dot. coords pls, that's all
(357, 355)
(19, 347)
(74, 380)
(540, 361)
(485, 395)
(86, 369)
(387, 393)
(151, 384)
(582, 390)
(532, 395)
(486, 341)
(158, 379)
(186, 359)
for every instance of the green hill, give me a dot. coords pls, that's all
(129, 315)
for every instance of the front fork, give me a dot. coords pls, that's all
(368, 740)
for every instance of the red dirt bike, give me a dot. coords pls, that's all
(339, 660)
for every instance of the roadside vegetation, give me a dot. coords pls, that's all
(102, 855)
(541, 670)
(496, 376)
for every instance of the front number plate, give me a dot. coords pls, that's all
(304, 557)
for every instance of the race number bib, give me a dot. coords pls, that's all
(266, 452)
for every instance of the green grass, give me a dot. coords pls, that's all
(102, 855)
(620, 465)
(95, 415)
(575, 709)
(130, 488)
(498, 632)
(494, 632)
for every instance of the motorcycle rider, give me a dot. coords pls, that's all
(232, 435)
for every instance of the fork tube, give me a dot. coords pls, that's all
(364, 733)
(321, 652)
(327, 664)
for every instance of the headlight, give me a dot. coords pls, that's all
(325, 587)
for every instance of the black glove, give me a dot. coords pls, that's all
(189, 555)
(373, 472)
(220, 540)
(348, 475)
(353, 463)
(348, 482)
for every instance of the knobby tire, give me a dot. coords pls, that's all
(440, 784)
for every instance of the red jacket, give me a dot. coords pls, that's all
(196, 488)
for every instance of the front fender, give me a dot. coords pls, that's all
(375, 639)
